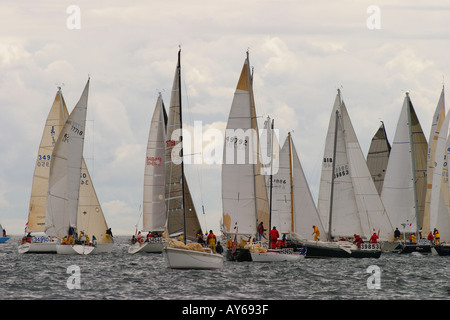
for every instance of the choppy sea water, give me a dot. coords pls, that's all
(121, 276)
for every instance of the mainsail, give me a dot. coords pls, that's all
(436, 125)
(295, 208)
(404, 185)
(38, 200)
(244, 194)
(154, 213)
(348, 201)
(378, 157)
(439, 216)
(181, 215)
(65, 172)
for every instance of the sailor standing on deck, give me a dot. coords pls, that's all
(211, 241)
(273, 236)
(316, 233)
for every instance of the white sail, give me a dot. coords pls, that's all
(378, 157)
(438, 119)
(405, 180)
(181, 213)
(348, 201)
(244, 194)
(55, 121)
(439, 216)
(154, 206)
(295, 208)
(65, 171)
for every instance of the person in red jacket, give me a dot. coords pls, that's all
(273, 236)
(358, 240)
(374, 238)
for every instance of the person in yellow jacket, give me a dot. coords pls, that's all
(413, 238)
(316, 233)
(437, 237)
(211, 241)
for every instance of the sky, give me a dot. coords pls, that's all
(301, 52)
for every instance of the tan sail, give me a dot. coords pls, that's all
(53, 126)
(90, 217)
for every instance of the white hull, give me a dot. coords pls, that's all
(275, 256)
(73, 249)
(103, 248)
(146, 247)
(191, 259)
(37, 247)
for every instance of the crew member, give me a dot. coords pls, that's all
(374, 238)
(316, 233)
(273, 236)
(211, 241)
(437, 237)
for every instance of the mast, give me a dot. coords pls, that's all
(413, 165)
(181, 152)
(333, 169)
(292, 186)
(271, 174)
(250, 82)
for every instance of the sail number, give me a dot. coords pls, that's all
(370, 246)
(154, 161)
(43, 160)
(236, 141)
(83, 179)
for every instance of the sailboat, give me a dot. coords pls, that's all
(378, 157)
(404, 187)
(3, 236)
(295, 210)
(244, 195)
(348, 204)
(276, 181)
(182, 218)
(64, 180)
(36, 240)
(154, 214)
(439, 217)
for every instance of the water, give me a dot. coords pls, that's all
(121, 276)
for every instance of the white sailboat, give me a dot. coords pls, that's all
(433, 151)
(378, 157)
(244, 194)
(439, 216)
(348, 203)
(404, 187)
(278, 194)
(64, 180)
(182, 218)
(154, 213)
(295, 211)
(36, 240)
